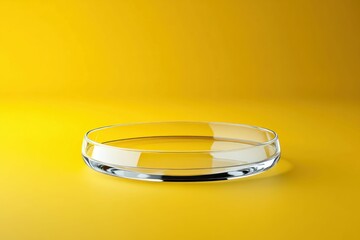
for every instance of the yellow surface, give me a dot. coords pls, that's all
(69, 66)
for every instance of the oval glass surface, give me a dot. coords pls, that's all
(181, 151)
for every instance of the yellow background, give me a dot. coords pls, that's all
(69, 66)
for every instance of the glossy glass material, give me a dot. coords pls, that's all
(181, 151)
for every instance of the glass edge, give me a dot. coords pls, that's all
(273, 140)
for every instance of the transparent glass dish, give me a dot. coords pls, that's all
(181, 151)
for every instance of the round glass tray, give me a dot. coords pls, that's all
(181, 151)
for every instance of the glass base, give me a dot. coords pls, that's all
(219, 174)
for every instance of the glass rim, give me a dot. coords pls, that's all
(263, 129)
